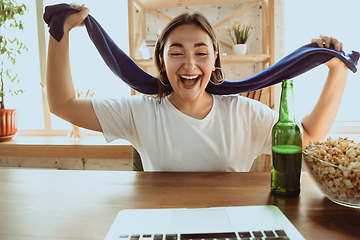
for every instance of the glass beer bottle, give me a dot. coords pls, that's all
(286, 147)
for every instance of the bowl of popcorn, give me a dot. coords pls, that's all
(334, 166)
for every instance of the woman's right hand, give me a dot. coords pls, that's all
(76, 19)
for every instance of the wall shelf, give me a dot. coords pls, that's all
(183, 3)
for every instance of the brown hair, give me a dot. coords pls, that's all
(183, 19)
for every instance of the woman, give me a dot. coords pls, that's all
(186, 128)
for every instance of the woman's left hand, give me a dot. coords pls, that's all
(325, 41)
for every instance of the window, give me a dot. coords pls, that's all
(302, 23)
(27, 67)
(306, 21)
(88, 68)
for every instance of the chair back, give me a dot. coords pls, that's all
(136, 160)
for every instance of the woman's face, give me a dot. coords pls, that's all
(189, 60)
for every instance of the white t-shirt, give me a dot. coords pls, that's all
(229, 138)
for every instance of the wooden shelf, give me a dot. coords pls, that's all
(145, 62)
(249, 58)
(183, 3)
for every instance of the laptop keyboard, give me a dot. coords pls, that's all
(251, 235)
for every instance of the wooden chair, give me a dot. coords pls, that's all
(136, 160)
(266, 96)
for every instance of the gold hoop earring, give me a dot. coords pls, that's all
(222, 74)
(165, 85)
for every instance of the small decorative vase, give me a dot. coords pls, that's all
(239, 49)
(8, 124)
(75, 134)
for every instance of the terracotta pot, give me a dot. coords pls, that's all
(8, 124)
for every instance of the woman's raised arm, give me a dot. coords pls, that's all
(318, 122)
(59, 85)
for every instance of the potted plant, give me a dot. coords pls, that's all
(239, 34)
(9, 49)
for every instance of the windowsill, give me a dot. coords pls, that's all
(350, 136)
(345, 128)
(92, 147)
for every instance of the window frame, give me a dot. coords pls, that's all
(47, 130)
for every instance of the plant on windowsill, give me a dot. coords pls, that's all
(10, 48)
(239, 34)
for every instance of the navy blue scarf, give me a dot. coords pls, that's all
(294, 64)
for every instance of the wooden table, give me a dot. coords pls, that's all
(51, 204)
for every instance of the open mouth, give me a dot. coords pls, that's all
(189, 80)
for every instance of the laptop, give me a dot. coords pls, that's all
(223, 223)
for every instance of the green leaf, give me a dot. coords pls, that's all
(14, 78)
(7, 72)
